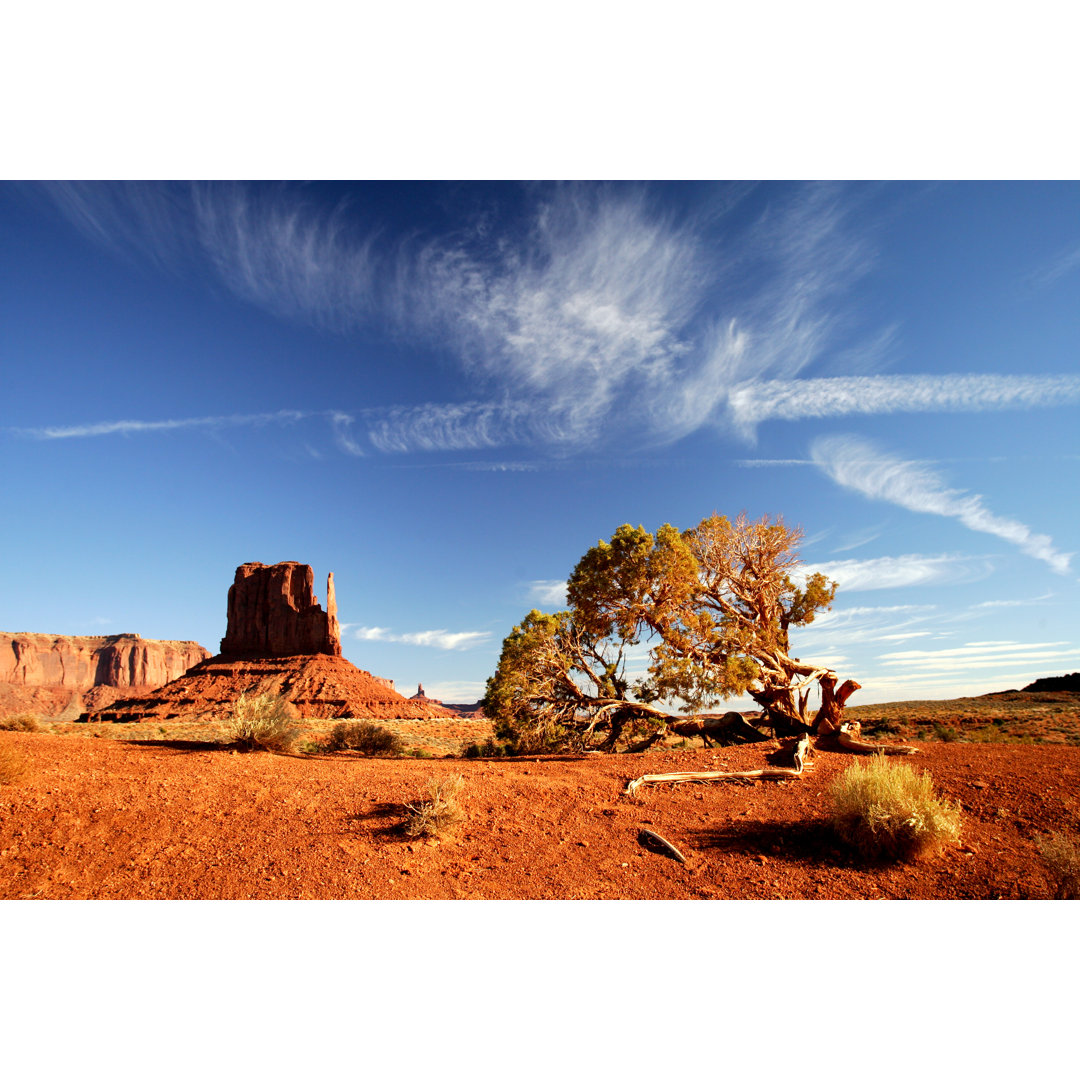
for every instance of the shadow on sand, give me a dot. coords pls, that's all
(794, 842)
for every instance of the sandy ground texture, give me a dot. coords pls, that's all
(99, 819)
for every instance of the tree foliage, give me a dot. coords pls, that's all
(559, 686)
(714, 603)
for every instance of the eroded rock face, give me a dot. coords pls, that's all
(80, 663)
(55, 674)
(273, 611)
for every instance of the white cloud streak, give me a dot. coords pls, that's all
(980, 656)
(434, 639)
(137, 427)
(901, 571)
(1065, 262)
(753, 402)
(858, 465)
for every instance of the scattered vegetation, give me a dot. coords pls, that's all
(887, 810)
(439, 814)
(262, 722)
(364, 737)
(488, 749)
(12, 764)
(1061, 857)
(22, 722)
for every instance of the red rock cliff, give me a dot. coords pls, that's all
(80, 663)
(273, 611)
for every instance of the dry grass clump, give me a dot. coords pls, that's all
(439, 814)
(364, 737)
(887, 810)
(12, 764)
(262, 722)
(22, 722)
(1061, 857)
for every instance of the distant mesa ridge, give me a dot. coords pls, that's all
(1056, 682)
(83, 662)
(55, 674)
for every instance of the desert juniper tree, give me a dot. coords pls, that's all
(715, 604)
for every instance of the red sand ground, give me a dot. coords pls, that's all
(106, 820)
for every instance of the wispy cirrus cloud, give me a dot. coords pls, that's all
(137, 427)
(901, 571)
(1061, 264)
(434, 639)
(753, 402)
(859, 465)
(981, 654)
(594, 313)
(600, 308)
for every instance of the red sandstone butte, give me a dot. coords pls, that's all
(278, 641)
(273, 611)
(48, 673)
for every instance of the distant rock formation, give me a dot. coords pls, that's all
(1056, 682)
(273, 611)
(51, 673)
(475, 711)
(277, 641)
(463, 712)
(319, 686)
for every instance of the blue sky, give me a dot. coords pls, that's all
(446, 392)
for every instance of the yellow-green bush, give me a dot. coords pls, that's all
(262, 722)
(438, 814)
(364, 737)
(887, 810)
(22, 722)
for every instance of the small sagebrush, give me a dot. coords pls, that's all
(365, 738)
(12, 764)
(1061, 857)
(439, 814)
(262, 722)
(22, 722)
(887, 810)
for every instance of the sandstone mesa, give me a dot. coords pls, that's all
(54, 673)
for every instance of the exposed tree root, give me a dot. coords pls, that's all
(802, 750)
(848, 738)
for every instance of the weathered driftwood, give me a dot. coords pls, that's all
(848, 738)
(648, 838)
(802, 750)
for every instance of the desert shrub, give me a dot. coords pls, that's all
(365, 737)
(1061, 857)
(438, 814)
(888, 810)
(946, 733)
(12, 764)
(262, 722)
(490, 748)
(22, 722)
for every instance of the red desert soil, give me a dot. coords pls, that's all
(98, 819)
